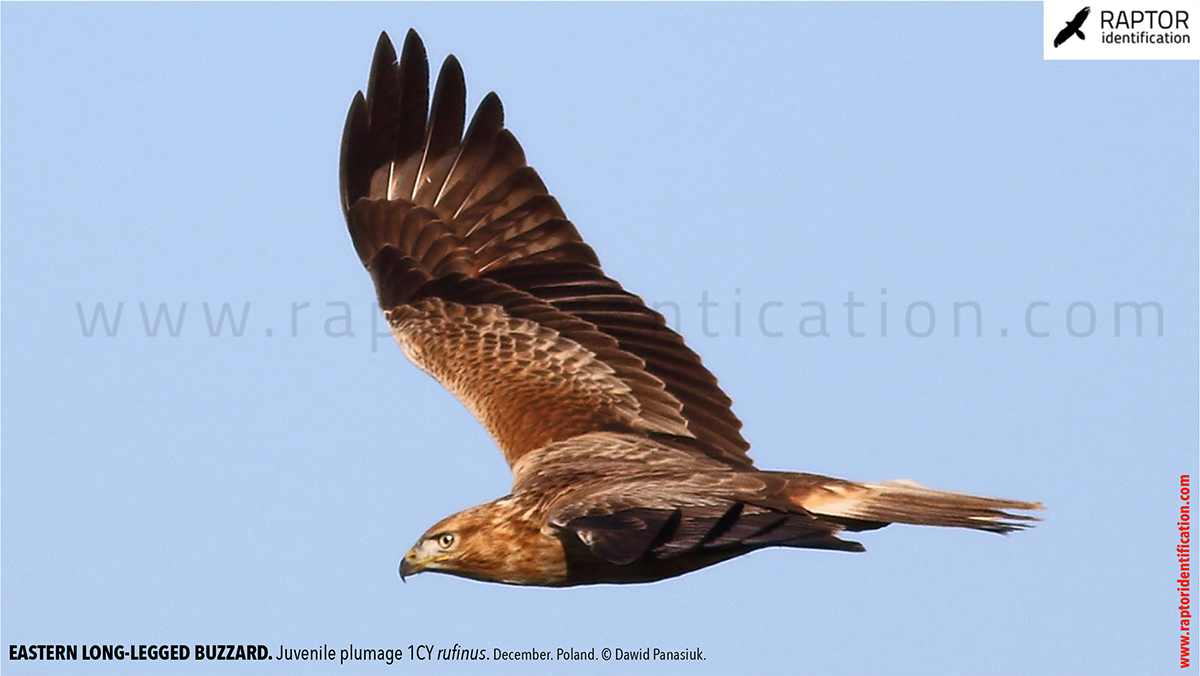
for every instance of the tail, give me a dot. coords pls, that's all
(867, 506)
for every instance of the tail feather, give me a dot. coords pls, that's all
(903, 501)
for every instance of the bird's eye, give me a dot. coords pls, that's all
(446, 540)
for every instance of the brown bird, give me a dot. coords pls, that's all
(628, 464)
(1073, 27)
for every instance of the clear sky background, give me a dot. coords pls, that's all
(263, 488)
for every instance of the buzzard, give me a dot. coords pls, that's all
(627, 461)
(1073, 27)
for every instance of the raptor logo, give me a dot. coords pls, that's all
(1073, 27)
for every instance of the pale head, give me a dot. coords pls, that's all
(497, 541)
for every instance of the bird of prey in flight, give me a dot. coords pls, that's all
(1073, 27)
(627, 461)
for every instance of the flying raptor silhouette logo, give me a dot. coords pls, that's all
(1073, 27)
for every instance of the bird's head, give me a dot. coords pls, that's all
(445, 547)
(494, 542)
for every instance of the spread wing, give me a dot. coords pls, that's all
(1082, 16)
(489, 288)
(665, 517)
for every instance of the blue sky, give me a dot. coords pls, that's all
(771, 159)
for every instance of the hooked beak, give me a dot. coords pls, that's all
(425, 555)
(409, 565)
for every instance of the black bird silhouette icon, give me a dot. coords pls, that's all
(1073, 27)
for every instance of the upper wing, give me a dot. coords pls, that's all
(1082, 16)
(489, 288)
